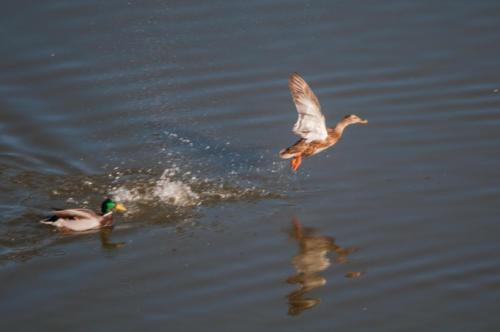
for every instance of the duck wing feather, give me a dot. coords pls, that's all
(76, 214)
(311, 123)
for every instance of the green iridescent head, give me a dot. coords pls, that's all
(109, 205)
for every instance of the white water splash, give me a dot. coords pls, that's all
(164, 190)
(174, 192)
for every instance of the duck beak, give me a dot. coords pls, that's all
(120, 208)
(364, 121)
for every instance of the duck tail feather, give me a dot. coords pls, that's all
(287, 154)
(49, 220)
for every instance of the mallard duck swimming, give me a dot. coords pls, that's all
(84, 219)
(311, 125)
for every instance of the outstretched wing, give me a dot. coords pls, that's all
(310, 124)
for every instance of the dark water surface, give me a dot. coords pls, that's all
(178, 109)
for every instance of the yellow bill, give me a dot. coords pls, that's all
(120, 208)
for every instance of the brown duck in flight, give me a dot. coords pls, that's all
(311, 125)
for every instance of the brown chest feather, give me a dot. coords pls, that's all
(311, 148)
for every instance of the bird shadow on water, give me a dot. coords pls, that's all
(309, 262)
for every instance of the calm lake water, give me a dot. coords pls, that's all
(179, 108)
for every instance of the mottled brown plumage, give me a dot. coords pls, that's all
(311, 125)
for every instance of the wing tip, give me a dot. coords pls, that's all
(297, 85)
(294, 76)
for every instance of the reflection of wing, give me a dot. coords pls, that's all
(76, 214)
(311, 122)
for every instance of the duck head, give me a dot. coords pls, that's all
(352, 118)
(109, 205)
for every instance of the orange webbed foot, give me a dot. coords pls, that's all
(295, 163)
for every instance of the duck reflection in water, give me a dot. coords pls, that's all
(104, 235)
(309, 262)
(106, 242)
